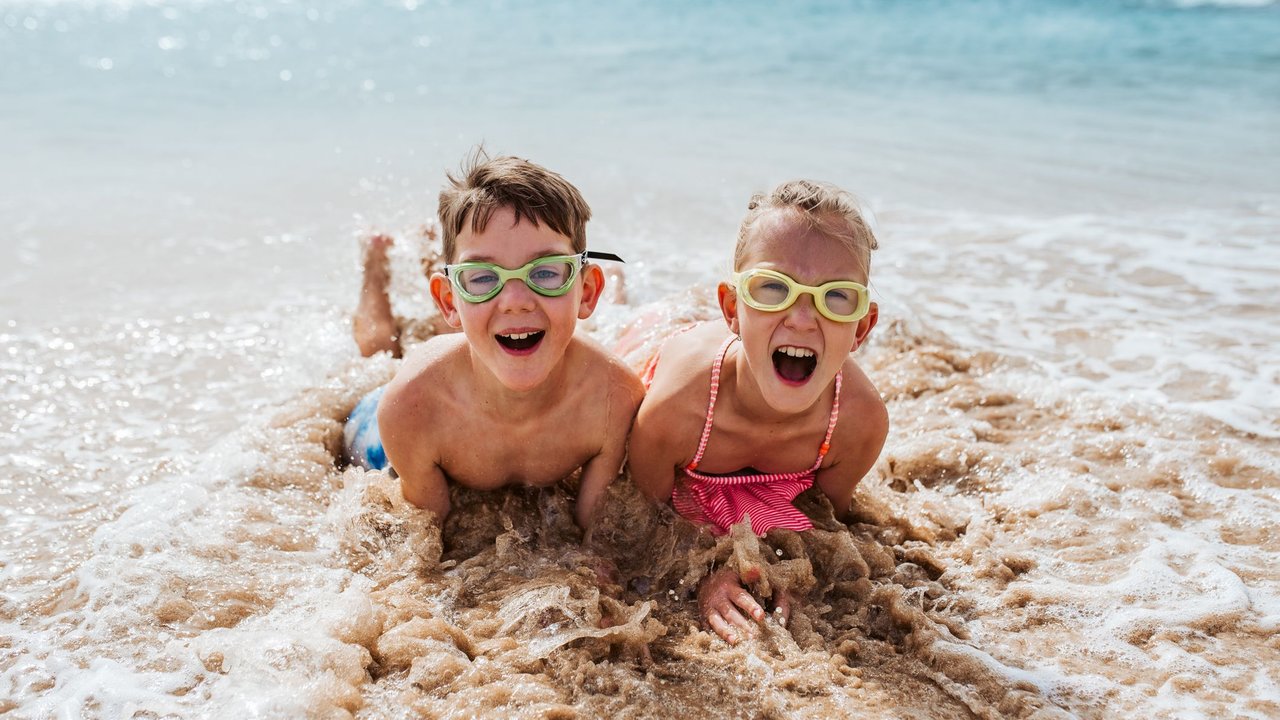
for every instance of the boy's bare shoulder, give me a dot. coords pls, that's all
(601, 371)
(429, 373)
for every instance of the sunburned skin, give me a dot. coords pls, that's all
(489, 407)
(776, 390)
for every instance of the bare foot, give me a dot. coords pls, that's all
(616, 285)
(373, 325)
(722, 600)
(432, 261)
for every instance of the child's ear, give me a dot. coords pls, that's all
(865, 325)
(592, 289)
(442, 293)
(728, 299)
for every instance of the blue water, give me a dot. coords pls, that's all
(915, 99)
(141, 136)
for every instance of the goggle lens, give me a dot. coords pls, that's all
(553, 276)
(843, 301)
(767, 291)
(476, 281)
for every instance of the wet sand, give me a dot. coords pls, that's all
(1013, 556)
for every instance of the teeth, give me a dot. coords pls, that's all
(516, 336)
(794, 351)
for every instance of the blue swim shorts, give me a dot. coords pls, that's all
(361, 442)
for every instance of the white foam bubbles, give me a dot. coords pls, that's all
(1164, 309)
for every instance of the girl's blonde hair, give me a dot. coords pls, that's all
(831, 211)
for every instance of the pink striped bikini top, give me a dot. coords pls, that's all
(722, 500)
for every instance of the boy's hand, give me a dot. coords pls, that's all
(725, 606)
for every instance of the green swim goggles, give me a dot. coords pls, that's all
(549, 276)
(843, 301)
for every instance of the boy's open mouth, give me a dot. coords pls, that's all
(794, 364)
(521, 341)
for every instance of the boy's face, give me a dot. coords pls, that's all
(518, 335)
(794, 354)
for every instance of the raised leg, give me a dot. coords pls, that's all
(615, 285)
(373, 326)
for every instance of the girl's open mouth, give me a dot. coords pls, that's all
(520, 342)
(794, 364)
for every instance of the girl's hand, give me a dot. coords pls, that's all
(725, 606)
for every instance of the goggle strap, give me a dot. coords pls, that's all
(596, 255)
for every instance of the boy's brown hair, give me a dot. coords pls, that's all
(531, 191)
(827, 208)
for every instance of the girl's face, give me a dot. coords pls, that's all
(792, 355)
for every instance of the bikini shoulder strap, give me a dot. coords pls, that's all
(831, 425)
(711, 402)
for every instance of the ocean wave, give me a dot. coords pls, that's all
(1186, 4)
(1019, 550)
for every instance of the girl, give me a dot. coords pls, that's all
(740, 418)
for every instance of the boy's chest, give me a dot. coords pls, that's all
(487, 455)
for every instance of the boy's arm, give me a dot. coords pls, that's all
(427, 490)
(867, 440)
(411, 453)
(624, 397)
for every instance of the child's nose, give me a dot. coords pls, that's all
(803, 314)
(515, 296)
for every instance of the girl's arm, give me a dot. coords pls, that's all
(649, 453)
(864, 439)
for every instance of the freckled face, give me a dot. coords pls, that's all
(518, 335)
(793, 355)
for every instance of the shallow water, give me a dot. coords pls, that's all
(1019, 552)
(1078, 206)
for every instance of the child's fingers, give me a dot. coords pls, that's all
(722, 628)
(743, 599)
(744, 626)
(739, 620)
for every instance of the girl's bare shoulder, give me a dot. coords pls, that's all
(684, 362)
(864, 419)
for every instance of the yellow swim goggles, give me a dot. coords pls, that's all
(843, 301)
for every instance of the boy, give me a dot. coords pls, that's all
(515, 398)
